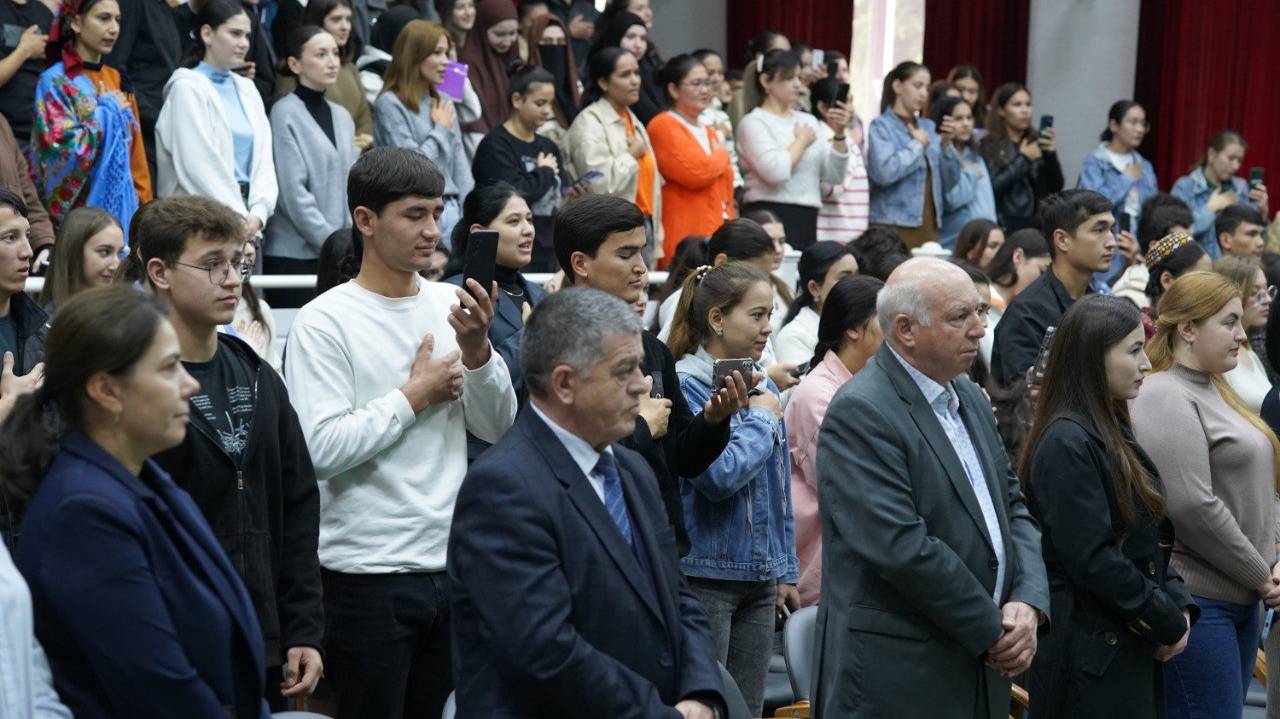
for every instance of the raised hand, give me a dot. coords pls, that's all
(470, 319)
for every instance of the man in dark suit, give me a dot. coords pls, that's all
(942, 585)
(565, 590)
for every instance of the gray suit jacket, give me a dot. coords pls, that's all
(907, 610)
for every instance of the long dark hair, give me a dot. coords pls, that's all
(850, 305)
(973, 239)
(482, 206)
(1075, 385)
(318, 10)
(900, 73)
(1002, 271)
(814, 264)
(212, 13)
(722, 287)
(969, 72)
(746, 239)
(997, 137)
(689, 255)
(600, 66)
(102, 329)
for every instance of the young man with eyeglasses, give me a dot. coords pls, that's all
(244, 459)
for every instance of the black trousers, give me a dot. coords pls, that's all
(387, 644)
(801, 222)
(288, 266)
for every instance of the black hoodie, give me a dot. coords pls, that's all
(265, 512)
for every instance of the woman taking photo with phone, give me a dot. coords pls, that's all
(1120, 612)
(846, 207)
(608, 138)
(136, 604)
(742, 563)
(906, 154)
(698, 194)
(213, 137)
(971, 197)
(1023, 162)
(314, 147)
(93, 157)
(783, 161)
(410, 112)
(514, 153)
(848, 336)
(1218, 462)
(1213, 186)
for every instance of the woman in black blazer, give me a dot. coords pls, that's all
(1118, 610)
(138, 608)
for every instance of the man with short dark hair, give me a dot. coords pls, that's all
(1239, 230)
(23, 323)
(245, 461)
(388, 378)
(566, 598)
(1078, 225)
(599, 243)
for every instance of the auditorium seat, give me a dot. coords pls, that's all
(797, 643)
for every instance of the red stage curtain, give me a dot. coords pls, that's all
(988, 34)
(824, 24)
(1204, 67)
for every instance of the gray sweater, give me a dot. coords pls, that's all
(313, 179)
(395, 126)
(1219, 479)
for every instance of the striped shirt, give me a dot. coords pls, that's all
(845, 210)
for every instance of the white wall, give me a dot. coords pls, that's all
(687, 25)
(1081, 57)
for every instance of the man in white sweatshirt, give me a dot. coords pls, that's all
(387, 373)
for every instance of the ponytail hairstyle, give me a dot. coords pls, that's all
(600, 66)
(901, 73)
(704, 289)
(212, 13)
(1196, 297)
(1116, 114)
(775, 64)
(814, 264)
(102, 329)
(744, 239)
(482, 206)
(850, 305)
(1220, 142)
(521, 77)
(689, 255)
(764, 42)
(673, 72)
(293, 45)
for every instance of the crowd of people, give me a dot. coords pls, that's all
(1030, 431)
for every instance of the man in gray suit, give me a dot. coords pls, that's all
(935, 586)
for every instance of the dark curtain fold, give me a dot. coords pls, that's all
(823, 24)
(1205, 67)
(988, 34)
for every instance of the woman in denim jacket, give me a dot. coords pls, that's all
(1213, 186)
(742, 563)
(971, 197)
(905, 155)
(1115, 170)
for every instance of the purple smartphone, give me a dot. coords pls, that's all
(455, 79)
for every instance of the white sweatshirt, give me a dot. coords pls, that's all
(388, 479)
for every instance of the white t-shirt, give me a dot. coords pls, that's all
(388, 478)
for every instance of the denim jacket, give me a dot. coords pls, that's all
(1099, 174)
(896, 166)
(970, 198)
(1194, 190)
(738, 513)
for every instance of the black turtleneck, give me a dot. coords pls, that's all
(319, 109)
(511, 283)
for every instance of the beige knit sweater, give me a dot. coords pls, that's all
(1219, 479)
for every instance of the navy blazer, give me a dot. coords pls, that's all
(552, 613)
(507, 328)
(136, 605)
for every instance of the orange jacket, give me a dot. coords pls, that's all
(698, 194)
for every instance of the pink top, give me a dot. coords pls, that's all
(805, 410)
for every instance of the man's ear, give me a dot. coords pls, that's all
(157, 273)
(365, 220)
(580, 264)
(561, 384)
(1061, 242)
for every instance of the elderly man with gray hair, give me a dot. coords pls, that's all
(942, 586)
(566, 596)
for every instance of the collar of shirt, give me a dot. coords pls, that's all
(583, 454)
(939, 397)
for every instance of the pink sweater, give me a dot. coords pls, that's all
(805, 410)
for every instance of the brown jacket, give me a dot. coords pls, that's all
(15, 175)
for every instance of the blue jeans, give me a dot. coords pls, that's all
(1209, 679)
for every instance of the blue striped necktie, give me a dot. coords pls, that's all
(614, 502)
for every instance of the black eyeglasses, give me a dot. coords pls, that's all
(219, 270)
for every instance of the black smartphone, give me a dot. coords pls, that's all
(723, 369)
(1046, 122)
(1123, 223)
(1042, 360)
(842, 93)
(482, 258)
(1255, 177)
(657, 391)
(800, 371)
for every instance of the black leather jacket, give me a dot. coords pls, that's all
(1019, 183)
